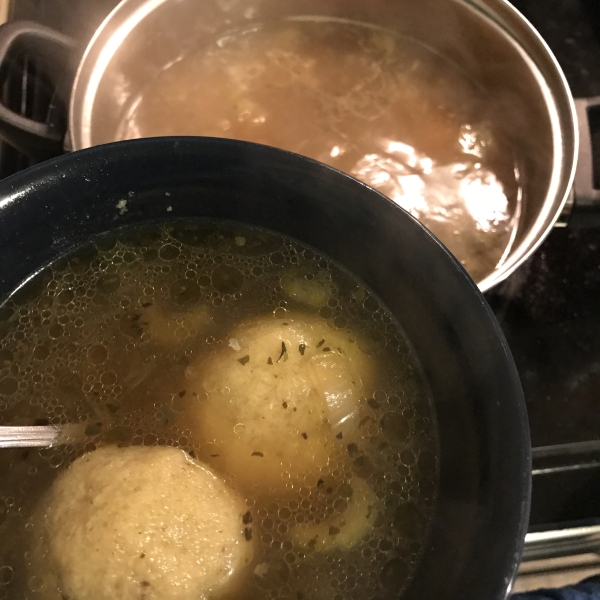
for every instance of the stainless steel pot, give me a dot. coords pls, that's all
(488, 39)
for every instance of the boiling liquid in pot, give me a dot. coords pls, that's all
(367, 101)
(116, 336)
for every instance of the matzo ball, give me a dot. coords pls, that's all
(273, 401)
(141, 523)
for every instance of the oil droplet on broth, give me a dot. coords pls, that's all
(370, 102)
(130, 373)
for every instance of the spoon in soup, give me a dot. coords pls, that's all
(41, 436)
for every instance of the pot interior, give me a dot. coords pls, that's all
(484, 46)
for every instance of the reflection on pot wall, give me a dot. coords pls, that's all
(382, 107)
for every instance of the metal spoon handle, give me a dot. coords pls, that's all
(29, 437)
(41, 436)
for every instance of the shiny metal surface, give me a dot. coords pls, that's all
(549, 202)
(488, 39)
(562, 542)
(40, 436)
(584, 178)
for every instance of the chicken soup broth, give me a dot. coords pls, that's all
(373, 103)
(231, 357)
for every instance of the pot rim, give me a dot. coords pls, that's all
(565, 155)
(517, 30)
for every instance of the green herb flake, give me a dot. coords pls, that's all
(270, 361)
(258, 454)
(283, 352)
(305, 435)
(327, 349)
(352, 449)
(378, 520)
(339, 436)
(284, 404)
(168, 415)
(244, 360)
(94, 429)
(320, 343)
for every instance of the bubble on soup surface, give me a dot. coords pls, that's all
(6, 575)
(345, 529)
(227, 280)
(177, 528)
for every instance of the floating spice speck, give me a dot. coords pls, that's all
(373, 403)
(302, 348)
(283, 352)
(258, 454)
(320, 343)
(94, 429)
(244, 360)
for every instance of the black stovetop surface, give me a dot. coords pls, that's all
(549, 309)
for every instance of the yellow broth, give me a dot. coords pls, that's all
(114, 337)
